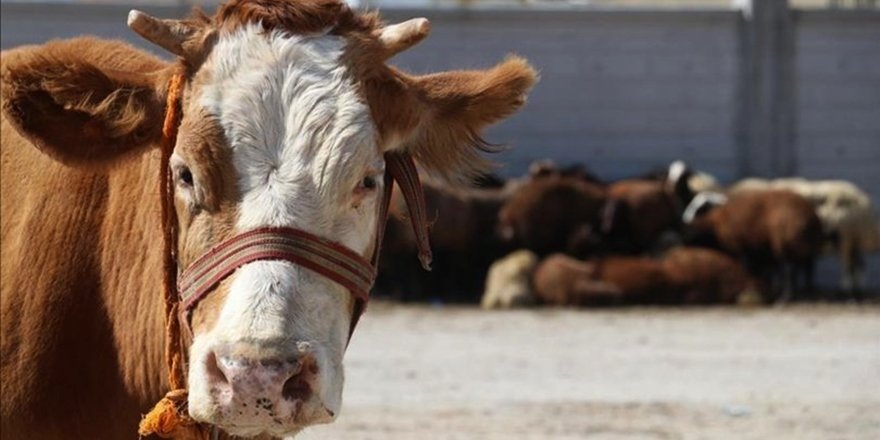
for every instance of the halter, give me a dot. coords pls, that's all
(328, 258)
(333, 260)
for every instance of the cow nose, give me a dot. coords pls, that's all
(261, 383)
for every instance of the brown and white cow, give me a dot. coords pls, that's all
(287, 111)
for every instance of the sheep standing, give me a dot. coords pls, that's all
(546, 213)
(641, 210)
(847, 217)
(680, 177)
(775, 231)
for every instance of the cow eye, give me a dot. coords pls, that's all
(185, 176)
(368, 182)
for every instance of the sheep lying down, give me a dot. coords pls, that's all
(683, 276)
(508, 283)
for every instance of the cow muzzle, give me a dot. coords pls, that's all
(251, 391)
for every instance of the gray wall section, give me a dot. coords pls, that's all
(837, 131)
(838, 99)
(623, 91)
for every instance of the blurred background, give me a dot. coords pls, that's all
(628, 86)
(733, 89)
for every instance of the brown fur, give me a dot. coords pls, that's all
(546, 213)
(642, 280)
(778, 224)
(80, 295)
(644, 211)
(704, 276)
(777, 232)
(462, 103)
(79, 266)
(81, 302)
(683, 276)
(121, 111)
(548, 168)
(560, 280)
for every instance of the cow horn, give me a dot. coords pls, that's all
(167, 34)
(396, 38)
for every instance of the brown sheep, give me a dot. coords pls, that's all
(775, 231)
(545, 213)
(640, 212)
(549, 168)
(847, 217)
(682, 276)
(705, 276)
(563, 280)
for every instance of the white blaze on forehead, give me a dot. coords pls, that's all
(298, 129)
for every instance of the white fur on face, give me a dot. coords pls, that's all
(301, 140)
(676, 169)
(706, 198)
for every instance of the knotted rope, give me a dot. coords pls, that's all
(169, 417)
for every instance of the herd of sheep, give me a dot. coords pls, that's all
(561, 236)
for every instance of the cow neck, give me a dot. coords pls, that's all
(169, 418)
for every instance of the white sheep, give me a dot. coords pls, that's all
(750, 184)
(508, 283)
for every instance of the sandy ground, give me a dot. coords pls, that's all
(801, 372)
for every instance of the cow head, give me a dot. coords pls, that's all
(288, 110)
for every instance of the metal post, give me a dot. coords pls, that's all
(767, 109)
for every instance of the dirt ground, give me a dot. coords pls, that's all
(797, 372)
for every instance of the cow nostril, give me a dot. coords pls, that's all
(297, 388)
(298, 385)
(215, 370)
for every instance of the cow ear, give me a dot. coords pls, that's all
(84, 100)
(451, 110)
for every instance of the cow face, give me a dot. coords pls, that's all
(288, 112)
(274, 133)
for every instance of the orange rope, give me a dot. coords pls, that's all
(173, 354)
(169, 418)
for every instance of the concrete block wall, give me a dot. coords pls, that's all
(621, 91)
(838, 98)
